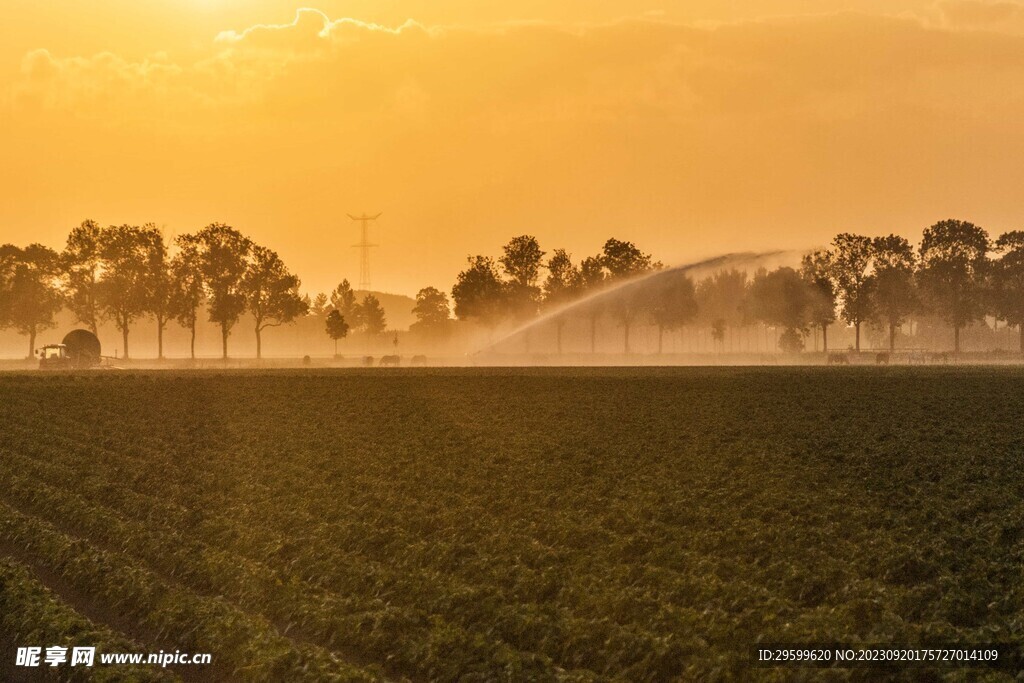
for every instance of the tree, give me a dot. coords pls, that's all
(222, 253)
(29, 294)
(782, 297)
(478, 292)
(337, 328)
(187, 290)
(82, 262)
(160, 285)
(562, 285)
(674, 304)
(718, 331)
(521, 262)
(952, 270)
(319, 305)
(1008, 280)
(431, 310)
(893, 291)
(623, 260)
(271, 292)
(372, 314)
(851, 262)
(627, 305)
(9, 257)
(816, 269)
(343, 300)
(563, 280)
(791, 341)
(126, 283)
(592, 277)
(720, 301)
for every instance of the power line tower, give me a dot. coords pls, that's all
(364, 245)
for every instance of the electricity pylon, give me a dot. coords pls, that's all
(364, 245)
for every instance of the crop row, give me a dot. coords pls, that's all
(31, 615)
(482, 604)
(245, 646)
(333, 620)
(538, 525)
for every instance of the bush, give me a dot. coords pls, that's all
(791, 341)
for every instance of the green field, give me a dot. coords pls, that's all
(630, 524)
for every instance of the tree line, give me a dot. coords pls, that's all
(124, 273)
(957, 273)
(127, 273)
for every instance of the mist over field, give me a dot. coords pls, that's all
(457, 346)
(306, 336)
(529, 307)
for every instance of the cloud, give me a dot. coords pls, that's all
(310, 30)
(75, 82)
(536, 70)
(672, 133)
(980, 13)
(309, 24)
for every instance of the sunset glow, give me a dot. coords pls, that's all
(454, 340)
(695, 130)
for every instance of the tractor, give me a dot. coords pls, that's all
(79, 350)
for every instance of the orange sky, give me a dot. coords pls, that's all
(692, 128)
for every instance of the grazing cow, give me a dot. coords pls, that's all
(882, 358)
(838, 359)
(367, 361)
(419, 360)
(390, 361)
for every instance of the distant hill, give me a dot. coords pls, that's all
(397, 308)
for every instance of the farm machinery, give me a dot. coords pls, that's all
(79, 350)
